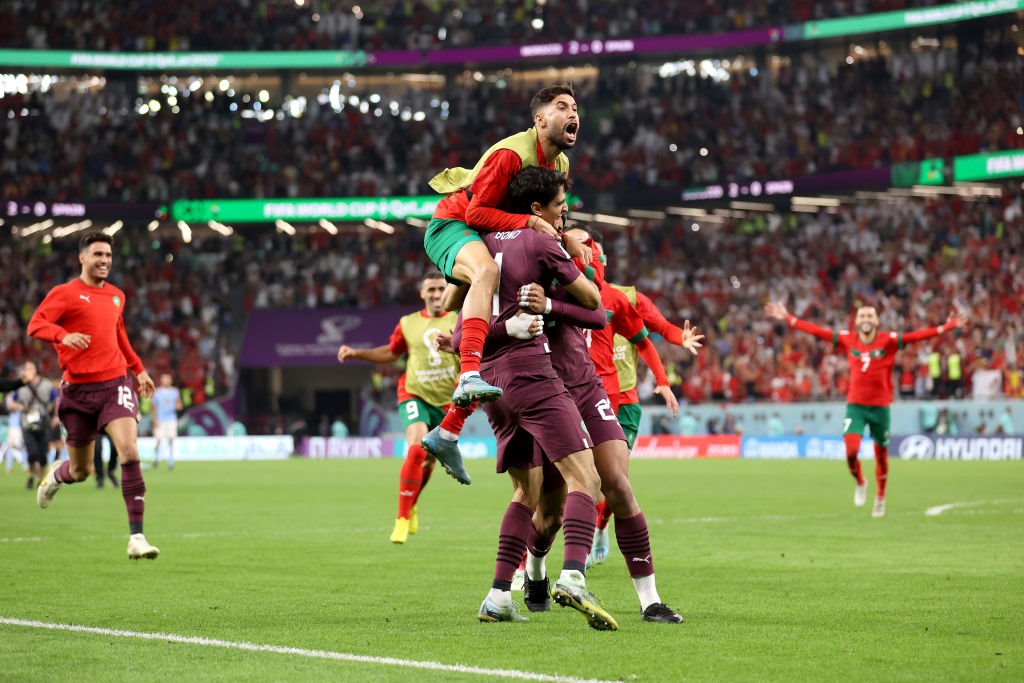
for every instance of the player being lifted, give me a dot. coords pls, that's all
(872, 356)
(452, 242)
(424, 391)
(84, 320)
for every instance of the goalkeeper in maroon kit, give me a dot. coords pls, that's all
(872, 357)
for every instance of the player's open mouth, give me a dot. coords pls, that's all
(571, 130)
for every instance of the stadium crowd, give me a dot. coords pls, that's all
(389, 24)
(640, 131)
(913, 259)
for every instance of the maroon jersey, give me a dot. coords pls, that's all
(569, 353)
(523, 256)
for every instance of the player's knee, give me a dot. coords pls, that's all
(129, 453)
(487, 275)
(617, 492)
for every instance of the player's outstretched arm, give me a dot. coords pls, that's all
(686, 336)
(533, 298)
(955, 321)
(776, 310)
(381, 355)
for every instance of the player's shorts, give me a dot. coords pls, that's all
(534, 408)
(166, 429)
(629, 417)
(875, 417)
(596, 410)
(415, 410)
(443, 240)
(85, 409)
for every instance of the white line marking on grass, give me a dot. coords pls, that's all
(302, 652)
(22, 539)
(937, 510)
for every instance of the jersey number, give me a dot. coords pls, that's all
(125, 398)
(604, 407)
(495, 301)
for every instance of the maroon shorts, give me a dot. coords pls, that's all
(535, 408)
(596, 409)
(85, 409)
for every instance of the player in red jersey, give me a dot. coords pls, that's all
(872, 357)
(84, 320)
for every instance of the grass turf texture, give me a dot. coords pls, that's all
(778, 575)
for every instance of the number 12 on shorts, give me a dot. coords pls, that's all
(126, 398)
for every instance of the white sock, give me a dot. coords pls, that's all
(448, 436)
(469, 373)
(536, 567)
(573, 577)
(646, 590)
(499, 597)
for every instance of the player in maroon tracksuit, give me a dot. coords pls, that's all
(84, 321)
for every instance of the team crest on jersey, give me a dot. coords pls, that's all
(117, 301)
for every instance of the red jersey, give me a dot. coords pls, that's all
(871, 365)
(625, 320)
(655, 321)
(478, 207)
(97, 312)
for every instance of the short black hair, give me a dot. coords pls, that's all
(91, 238)
(547, 95)
(432, 275)
(534, 184)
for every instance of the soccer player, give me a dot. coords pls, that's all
(629, 413)
(35, 401)
(536, 408)
(872, 357)
(474, 195)
(424, 391)
(571, 361)
(84, 320)
(166, 404)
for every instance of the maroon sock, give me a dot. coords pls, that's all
(133, 490)
(63, 473)
(579, 521)
(537, 543)
(635, 545)
(515, 527)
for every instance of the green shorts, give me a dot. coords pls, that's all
(417, 410)
(444, 238)
(875, 417)
(629, 417)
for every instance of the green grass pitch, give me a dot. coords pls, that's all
(779, 576)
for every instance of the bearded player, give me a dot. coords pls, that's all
(423, 391)
(872, 356)
(472, 204)
(84, 320)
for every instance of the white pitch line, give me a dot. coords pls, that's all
(937, 510)
(302, 652)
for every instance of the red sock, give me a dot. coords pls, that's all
(881, 469)
(455, 419)
(471, 350)
(410, 479)
(427, 471)
(604, 515)
(852, 442)
(133, 490)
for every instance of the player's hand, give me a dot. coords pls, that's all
(146, 385)
(533, 298)
(691, 338)
(542, 226)
(671, 403)
(776, 309)
(956, 319)
(524, 325)
(577, 249)
(76, 340)
(444, 342)
(345, 352)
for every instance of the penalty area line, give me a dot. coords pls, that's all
(301, 652)
(937, 510)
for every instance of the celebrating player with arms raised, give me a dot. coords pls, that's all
(84, 321)
(872, 356)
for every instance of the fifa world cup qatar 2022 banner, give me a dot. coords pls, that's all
(311, 337)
